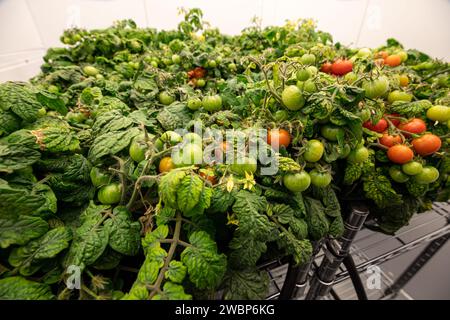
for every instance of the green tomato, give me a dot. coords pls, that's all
(194, 138)
(308, 58)
(364, 114)
(397, 95)
(292, 98)
(313, 151)
(345, 151)
(167, 61)
(90, 71)
(320, 179)
(137, 150)
(53, 89)
(350, 77)
(281, 115)
(308, 86)
(169, 138)
(166, 98)
(154, 64)
(110, 194)
(439, 113)
(403, 55)
(41, 112)
(376, 88)
(232, 67)
(428, 175)
(246, 164)
(212, 103)
(448, 124)
(331, 132)
(303, 75)
(313, 70)
(188, 155)
(212, 63)
(364, 52)
(176, 59)
(397, 175)
(297, 182)
(412, 168)
(358, 155)
(200, 83)
(194, 103)
(99, 177)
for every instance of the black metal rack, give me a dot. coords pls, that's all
(325, 273)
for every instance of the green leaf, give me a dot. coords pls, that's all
(251, 284)
(48, 246)
(109, 259)
(378, 188)
(176, 272)
(203, 203)
(221, 200)
(248, 209)
(301, 250)
(352, 173)
(283, 213)
(173, 117)
(9, 122)
(172, 291)
(205, 266)
(52, 101)
(18, 288)
(148, 273)
(337, 227)
(165, 215)
(299, 228)
(317, 221)
(124, 234)
(411, 109)
(54, 135)
(111, 143)
(20, 99)
(189, 192)
(18, 150)
(329, 200)
(19, 229)
(245, 251)
(151, 238)
(168, 187)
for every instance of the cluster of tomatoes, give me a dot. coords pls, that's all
(392, 60)
(196, 77)
(339, 67)
(403, 140)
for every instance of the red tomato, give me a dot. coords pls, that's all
(427, 144)
(400, 154)
(326, 67)
(341, 67)
(379, 127)
(196, 73)
(394, 121)
(283, 137)
(388, 140)
(393, 60)
(415, 125)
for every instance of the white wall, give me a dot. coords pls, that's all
(28, 27)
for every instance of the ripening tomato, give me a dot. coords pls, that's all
(414, 125)
(427, 144)
(400, 154)
(397, 95)
(379, 127)
(388, 140)
(393, 60)
(341, 67)
(326, 67)
(282, 136)
(439, 113)
(166, 164)
(382, 54)
(403, 80)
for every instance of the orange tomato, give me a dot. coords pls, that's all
(393, 60)
(427, 144)
(404, 80)
(400, 154)
(283, 137)
(382, 54)
(389, 141)
(166, 164)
